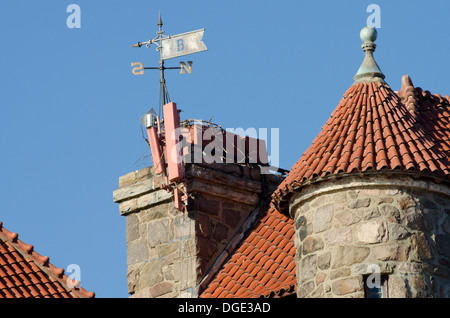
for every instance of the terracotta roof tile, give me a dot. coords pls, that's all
(262, 265)
(26, 274)
(373, 129)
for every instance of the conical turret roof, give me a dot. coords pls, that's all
(374, 128)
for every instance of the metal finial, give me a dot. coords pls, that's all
(160, 24)
(369, 71)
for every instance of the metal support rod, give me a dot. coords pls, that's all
(162, 81)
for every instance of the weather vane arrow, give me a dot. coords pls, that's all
(176, 45)
(170, 47)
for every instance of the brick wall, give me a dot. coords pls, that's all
(343, 229)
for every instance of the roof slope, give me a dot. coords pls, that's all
(263, 264)
(25, 273)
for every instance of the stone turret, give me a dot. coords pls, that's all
(371, 198)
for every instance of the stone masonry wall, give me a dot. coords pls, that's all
(401, 227)
(160, 239)
(169, 252)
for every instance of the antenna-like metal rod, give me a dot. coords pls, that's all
(162, 81)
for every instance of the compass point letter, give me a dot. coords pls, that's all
(185, 68)
(139, 69)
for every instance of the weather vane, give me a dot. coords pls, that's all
(170, 47)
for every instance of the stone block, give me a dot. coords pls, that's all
(232, 217)
(185, 272)
(349, 255)
(359, 203)
(308, 267)
(160, 289)
(391, 213)
(133, 279)
(320, 278)
(300, 222)
(322, 218)
(127, 179)
(312, 244)
(183, 226)
(132, 227)
(420, 249)
(342, 272)
(347, 218)
(169, 248)
(417, 219)
(323, 261)
(206, 247)
(151, 275)
(373, 267)
(304, 231)
(206, 205)
(339, 197)
(382, 200)
(132, 191)
(203, 225)
(160, 231)
(397, 232)
(397, 287)
(391, 252)
(347, 286)
(155, 212)
(144, 201)
(128, 206)
(305, 289)
(220, 233)
(371, 232)
(189, 247)
(370, 214)
(406, 202)
(137, 252)
(419, 286)
(339, 236)
(318, 292)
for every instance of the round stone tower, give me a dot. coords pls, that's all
(371, 197)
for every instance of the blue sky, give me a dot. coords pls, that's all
(70, 106)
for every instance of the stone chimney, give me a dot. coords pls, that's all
(171, 252)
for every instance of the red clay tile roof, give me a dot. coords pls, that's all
(373, 129)
(431, 111)
(263, 264)
(26, 274)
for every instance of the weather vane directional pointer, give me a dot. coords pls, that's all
(170, 47)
